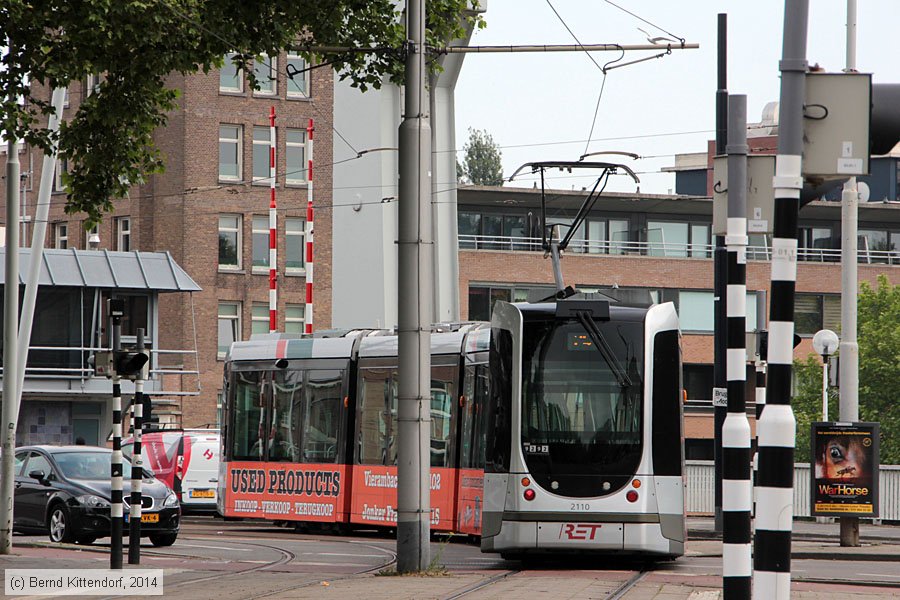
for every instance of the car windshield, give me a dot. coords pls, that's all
(90, 465)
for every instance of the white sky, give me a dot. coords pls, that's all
(532, 99)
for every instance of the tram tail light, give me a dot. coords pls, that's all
(529, 494)
(631, 496)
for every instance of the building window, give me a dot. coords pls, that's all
(92, 234)
(61, 236)
(700, 241)
(295, 157)
(266, 72)
(229, 326)
(260, 243)
(230, 242)
(813, 312)
(231, 78)
(696, 311)
(62, 166)
(262, 144)
(259, 318)
(294, 237)
(468, 224)
(230, 152)
(298, 77)
(667, 239)
(123, 234)
(293, 318)
(91, 84)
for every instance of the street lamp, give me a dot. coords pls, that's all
(825, 342)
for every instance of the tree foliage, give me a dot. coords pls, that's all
(481, 164)
(878, 332)
(137, 44)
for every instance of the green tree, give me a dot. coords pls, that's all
(878, 330)
(481, 164)
(137, 45)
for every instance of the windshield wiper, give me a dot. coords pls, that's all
(588, 323)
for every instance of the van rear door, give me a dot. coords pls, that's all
(200, 471)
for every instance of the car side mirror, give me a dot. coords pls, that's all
(39, 475)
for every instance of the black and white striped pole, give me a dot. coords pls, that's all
(116, 309)
(137, 465)
(737, 490)
(775, 511)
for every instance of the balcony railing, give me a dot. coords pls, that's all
(666, 249)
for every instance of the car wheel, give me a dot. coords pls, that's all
(59, 526)
(163, 539)
(85, 540)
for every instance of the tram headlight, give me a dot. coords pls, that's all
(631, 496)
(529, 494)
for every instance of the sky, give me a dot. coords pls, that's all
(541, 106)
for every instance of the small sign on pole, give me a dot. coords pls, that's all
(720, 396)
(845, 469)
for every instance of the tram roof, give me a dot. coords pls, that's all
(617, 311)
(273, 347)
(441, 343)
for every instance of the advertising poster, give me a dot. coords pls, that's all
(845, 469)
(286, 491)
(374, 499)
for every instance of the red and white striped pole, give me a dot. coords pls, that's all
(273, 228)
(308, 313)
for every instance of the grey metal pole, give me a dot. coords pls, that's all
(39, 233)
(849, 348)
(774, 515)
(737, 494)
(414, 310)
(116, 471)
(137, 464)
(720, 270)
(10, 324)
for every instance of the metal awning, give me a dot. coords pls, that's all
(156, 271)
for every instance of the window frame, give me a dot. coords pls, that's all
(307, 80)
(254, 231)
(288, 269)
(235, 320)
(61, 235)
(238, 142)
(238, 230)
(259, 313)
(290, 171)
(269, 63)
(267, 144)
(291, 320)
(87, 236)
(123, 233)
(239, 75)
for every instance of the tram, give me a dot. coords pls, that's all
(586, 451)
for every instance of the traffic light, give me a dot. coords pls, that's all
(131, 364)
(102, 363)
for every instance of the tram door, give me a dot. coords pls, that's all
(472, 409)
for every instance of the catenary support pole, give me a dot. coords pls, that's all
(116, 470)
(308, 313)
(414, 310)
(10, 325)
(273, 230)
(737, 495)
(849, 348)
(42, 212)
(774, 517)
(720, 268)
(137, 465)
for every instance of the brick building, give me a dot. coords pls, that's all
(662, 245)
(209, 209)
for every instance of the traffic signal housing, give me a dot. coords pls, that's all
(132, 364)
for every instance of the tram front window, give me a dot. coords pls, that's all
(581, 410)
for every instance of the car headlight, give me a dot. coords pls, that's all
(92, 501)
(171, 500)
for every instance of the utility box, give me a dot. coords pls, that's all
(760, 194)
(836, 119)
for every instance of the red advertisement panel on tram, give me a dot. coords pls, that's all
(471, 500)
(288, 491)
(375, 496)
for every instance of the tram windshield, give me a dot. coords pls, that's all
(582, 405)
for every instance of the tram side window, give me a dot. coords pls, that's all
(287, 405)
(374, 420)
(467, 420)
(443, 394)
(323, 416)
(393, 441)
(499, 419)
(249, 416)
(482, 397)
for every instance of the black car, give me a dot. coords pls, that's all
(66, 490)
